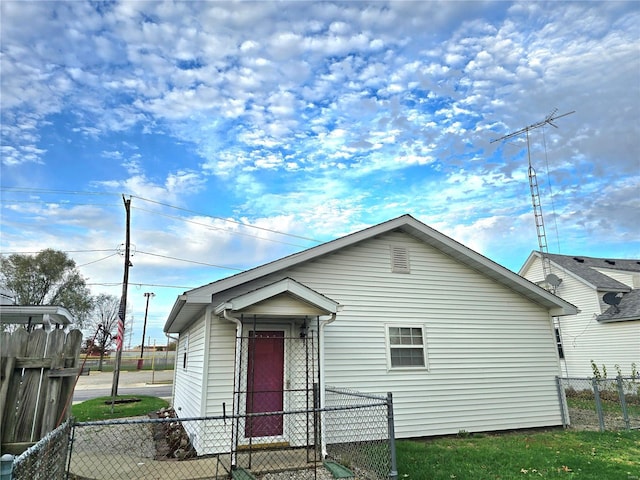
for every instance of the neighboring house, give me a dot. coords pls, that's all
(605, 333)
(462, 342)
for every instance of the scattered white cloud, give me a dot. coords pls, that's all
(318, 118)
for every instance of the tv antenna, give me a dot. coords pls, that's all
(535, 193)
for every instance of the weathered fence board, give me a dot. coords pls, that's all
(39, 370)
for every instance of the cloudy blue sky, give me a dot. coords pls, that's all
(245, 131)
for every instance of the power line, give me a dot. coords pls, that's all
(46, 190)
(228, 220)
(96, 261)
(76, 192)
(211, 227)
(189, 261)
(64, 251)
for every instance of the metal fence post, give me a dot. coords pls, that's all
(393, 474)
(596, 395)
(6, 472)
(623, 403)
(563, 403)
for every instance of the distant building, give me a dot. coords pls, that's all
(606, 330)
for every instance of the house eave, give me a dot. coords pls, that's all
(405, 223)
(35, 315)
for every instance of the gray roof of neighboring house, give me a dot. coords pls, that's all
(585, 268)
(627, 309)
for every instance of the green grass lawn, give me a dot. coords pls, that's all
(549, 455)
(100, 408)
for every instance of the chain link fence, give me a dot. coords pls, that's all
(601, 403)
(47, 459)
(355, 429)
(359, 432)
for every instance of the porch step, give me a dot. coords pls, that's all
(241, 474)
(338, 471)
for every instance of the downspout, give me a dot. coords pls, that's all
(236, 386)
(323, 324)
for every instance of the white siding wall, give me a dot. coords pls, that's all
(623, 277)
(221, 371)
(491, 353)
(188, 381)
(583, 337)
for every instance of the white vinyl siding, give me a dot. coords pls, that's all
(188, 381)
(623, 277)
(583, 337)
(491, 353)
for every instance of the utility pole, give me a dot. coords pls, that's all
(535, 193)
(144, 328)
(123, 300)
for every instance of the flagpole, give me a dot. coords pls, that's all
(122, 312)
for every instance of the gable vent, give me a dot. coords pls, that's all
(399, 260)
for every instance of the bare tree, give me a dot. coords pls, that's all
(103, 324)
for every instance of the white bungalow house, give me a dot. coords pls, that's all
(606, 333)
(462, 342)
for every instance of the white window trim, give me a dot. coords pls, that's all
(424, 346)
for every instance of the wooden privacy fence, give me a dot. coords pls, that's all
(38, 371)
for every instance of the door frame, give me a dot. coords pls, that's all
(263, 325)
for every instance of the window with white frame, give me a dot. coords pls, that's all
(406, 346)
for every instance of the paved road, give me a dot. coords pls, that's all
(163, 391)
(98, 384)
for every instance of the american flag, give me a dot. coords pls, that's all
(120, 335)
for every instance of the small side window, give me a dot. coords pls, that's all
(406, 346)
(559, 343)
(185, 350)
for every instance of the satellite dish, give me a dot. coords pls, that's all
(553, 280)
(611, 298)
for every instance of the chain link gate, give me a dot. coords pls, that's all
(276, 395)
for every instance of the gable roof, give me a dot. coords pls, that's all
(193, 301)
(584, 268)
(286, 285)
(628, 309)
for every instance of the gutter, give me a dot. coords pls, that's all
(323, 324)
(236, 378)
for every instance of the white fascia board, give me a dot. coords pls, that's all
(528, 262)
(286, 285)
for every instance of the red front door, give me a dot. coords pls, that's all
(265, 382)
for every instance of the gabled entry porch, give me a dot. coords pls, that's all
(278, 364)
